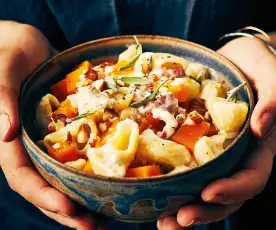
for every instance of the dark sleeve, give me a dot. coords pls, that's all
(37, 14)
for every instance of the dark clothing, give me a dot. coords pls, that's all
(70, 22)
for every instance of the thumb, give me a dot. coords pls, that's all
(9, 122)
(264, 114)
(12, 68)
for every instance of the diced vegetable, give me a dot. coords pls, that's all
(212, 130)
(151, 123)
(188, 135)
(59, 90)
(197, 104)
(144, 171)
(184, 89)
(181, 92)
(67, 109)
(88, 168)
(66, 151)
(74, 77)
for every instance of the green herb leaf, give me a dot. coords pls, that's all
(139, 51)
(150, 97)
(82, 116)
(135, 80)
(233, 93)
(110, 82)
(197, 79)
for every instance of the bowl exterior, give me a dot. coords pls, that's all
(129, 200)
(137, 202)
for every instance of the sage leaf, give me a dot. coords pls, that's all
(150, 97)
(198, 78)
(139, 51)
(135, 80)
(81, 116)
(233, 93)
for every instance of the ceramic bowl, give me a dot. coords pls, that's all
(129, 200)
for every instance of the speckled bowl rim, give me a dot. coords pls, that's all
(154, 179)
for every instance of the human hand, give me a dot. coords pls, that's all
(23, 48)
(259, 65)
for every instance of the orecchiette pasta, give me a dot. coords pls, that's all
(155, 149)
(227, 116)
(113, 158)
(123, 98)
(197, 69)
(207, 148)
(211, 88)
(83, 131)
(78, 164)
(44, 112)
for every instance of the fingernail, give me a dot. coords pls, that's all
(5, 125)
(265, 124)
(193, 222)
(217, 198)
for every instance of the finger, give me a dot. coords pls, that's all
(84, 222)
(25, 180)
(244, 184)
(9, 121)
(168, 223)
(264, 114)
(199, 214)
(12, 68)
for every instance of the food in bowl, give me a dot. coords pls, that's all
(146, 115)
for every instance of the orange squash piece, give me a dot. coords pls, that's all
(181, 92)
(188, 135)
(67, 109)
(88, 168)
(59, 90)
(151, 123)
(144, 171)
(85, 65)
(65, 153)
(74, 77)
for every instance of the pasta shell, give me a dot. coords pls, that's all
(44, 111)
(153, 148)
(227, 116)
(113, 158)
(75, 129)
(207, 148)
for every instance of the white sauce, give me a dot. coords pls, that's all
(169, 119)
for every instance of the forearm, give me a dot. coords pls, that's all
(24, 40)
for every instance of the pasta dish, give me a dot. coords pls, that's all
(146, 115)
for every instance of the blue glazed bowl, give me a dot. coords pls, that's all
(129, 200)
